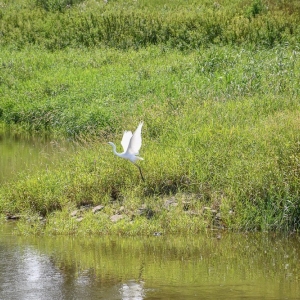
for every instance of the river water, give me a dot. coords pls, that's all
(208, 266)
(213, 265)
(21, 153)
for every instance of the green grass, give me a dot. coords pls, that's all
(221, 116)
(53, 24)
(75, 91)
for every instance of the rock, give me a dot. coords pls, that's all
(12, 217)
(157, 233)
(116, 218)
(97, 208)
(170, 202)
(79, 219)
(206, 208)
(74, 213)
(209, 210)
(192, 213)
(85, 207)
(142, 210)
(218, 216)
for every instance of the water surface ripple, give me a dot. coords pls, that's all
(208, 266)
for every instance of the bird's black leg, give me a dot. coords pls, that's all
(141, 172)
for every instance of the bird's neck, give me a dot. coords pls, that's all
(115, 149)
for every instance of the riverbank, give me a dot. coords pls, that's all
(220, 136)
(233, 165)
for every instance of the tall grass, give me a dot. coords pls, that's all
(57, 24)
(73, 92)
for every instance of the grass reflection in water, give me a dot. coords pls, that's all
(233, 266)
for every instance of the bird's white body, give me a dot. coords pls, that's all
(131, 144)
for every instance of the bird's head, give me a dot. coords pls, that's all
(113, 145)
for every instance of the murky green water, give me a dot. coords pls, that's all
(25, 154)
(234, 266)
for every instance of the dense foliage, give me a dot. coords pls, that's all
(57, 24)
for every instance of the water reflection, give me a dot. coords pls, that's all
(25, 274)
(132, 290)
(25, 153)
(237, 266)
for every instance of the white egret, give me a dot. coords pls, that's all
(131, 144)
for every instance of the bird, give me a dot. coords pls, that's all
(131, 144)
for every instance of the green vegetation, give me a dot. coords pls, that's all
(217, 85)
(57, 24)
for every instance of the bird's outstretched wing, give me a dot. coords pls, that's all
(126, 139)
(135, 141)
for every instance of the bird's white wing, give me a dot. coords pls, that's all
(126, 139)
(135, 141)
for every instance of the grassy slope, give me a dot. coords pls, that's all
(221, 130)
